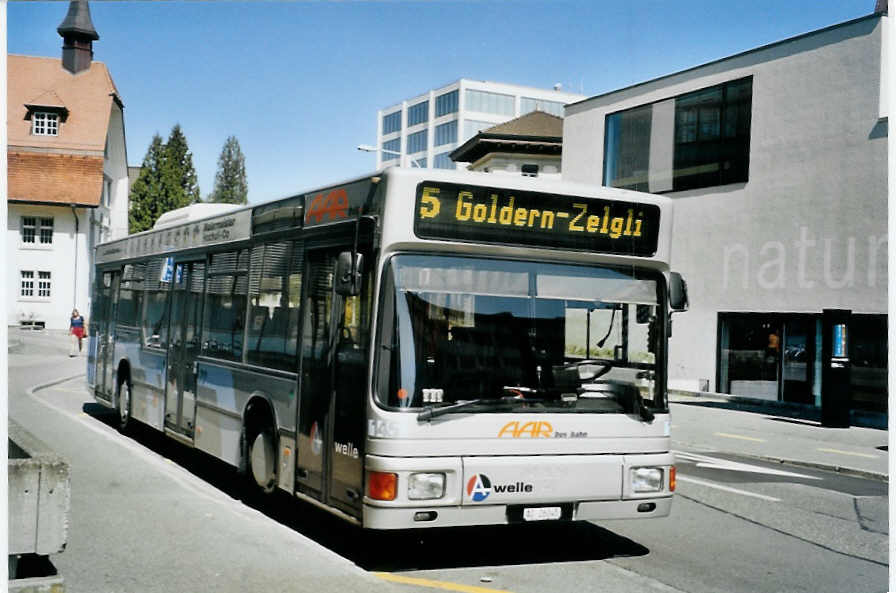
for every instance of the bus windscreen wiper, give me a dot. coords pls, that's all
(429, 412)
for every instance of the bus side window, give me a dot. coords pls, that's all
(225, 305)
(155, 318)
(130, 295)
(275, 295)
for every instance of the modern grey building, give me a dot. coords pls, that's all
(426, 128)
(777, 161)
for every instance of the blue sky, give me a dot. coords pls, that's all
(299, 83)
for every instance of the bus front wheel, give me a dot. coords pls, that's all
(124, 405)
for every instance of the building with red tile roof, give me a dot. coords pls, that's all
(67, 174)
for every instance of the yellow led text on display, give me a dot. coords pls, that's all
(505, 213)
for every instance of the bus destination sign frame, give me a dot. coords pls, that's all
(455, 212)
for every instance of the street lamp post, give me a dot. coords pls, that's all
(368, 148)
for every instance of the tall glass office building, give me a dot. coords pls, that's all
(424, 129)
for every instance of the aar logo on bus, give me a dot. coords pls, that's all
(479, 487)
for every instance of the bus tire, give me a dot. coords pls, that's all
(263, 460)
(124, 405)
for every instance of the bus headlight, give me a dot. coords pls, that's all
(647, 479)
(426, 486)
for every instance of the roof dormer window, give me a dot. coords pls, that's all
(46, 114)
(44, 124)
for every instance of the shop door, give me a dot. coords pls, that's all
(750, 355)
(797, 360)
(105, 332)
(183, 346)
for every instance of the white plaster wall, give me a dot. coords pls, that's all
(808, 230)
(511, 164)
(66, 259)
(115, 167)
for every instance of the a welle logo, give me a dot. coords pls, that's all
(479, 487)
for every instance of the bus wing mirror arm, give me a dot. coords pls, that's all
(678, 293)
(348, 273)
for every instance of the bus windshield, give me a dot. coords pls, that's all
(504, 335)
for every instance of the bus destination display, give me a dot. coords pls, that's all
(470, 213)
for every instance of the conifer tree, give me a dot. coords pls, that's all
(167, 181)
(231, 186)
(179, 172)
(146, 194)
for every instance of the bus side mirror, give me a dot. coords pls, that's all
(678, 293)
(642, 314)
(348, 273)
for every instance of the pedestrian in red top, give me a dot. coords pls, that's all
(76, 329)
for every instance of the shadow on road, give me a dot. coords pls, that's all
(393, 551)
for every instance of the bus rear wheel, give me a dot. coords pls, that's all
(263, 460)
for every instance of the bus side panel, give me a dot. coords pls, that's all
(148, 380)
(91, 361)
(222, 392)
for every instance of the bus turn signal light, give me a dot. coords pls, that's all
(382, 485)
(672, 479)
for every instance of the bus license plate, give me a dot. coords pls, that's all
(541, 513)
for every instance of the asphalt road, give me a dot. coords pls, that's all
(151, 515)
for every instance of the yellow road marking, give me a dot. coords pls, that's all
(849, 453)
(396, 578)
(737, 436)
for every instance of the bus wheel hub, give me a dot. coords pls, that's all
(262, 460)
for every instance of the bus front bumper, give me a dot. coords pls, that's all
(376, 517)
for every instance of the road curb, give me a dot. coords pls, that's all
(35, 388)
(848, 471)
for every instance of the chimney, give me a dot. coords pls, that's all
(78, 36)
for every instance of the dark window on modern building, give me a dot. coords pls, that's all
(392, 122)
(868, 359)
(529, 170)
(712, 136)
(417, 142)
(419, 113)
(391, 149)
(446, 133)
(709, 143)
(777, 356)
(447, 103)
(769, 356)
(443, 161)
(627, 149)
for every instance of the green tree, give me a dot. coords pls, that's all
(179, 172)
(145, 199)
(167, 181)
(231, 186)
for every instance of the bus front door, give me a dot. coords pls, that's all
(105, 333)
(331, 413)
(183, 347)
(314, 407)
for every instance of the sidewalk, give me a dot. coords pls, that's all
(775, 432)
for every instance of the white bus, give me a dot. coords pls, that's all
(416, 348)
